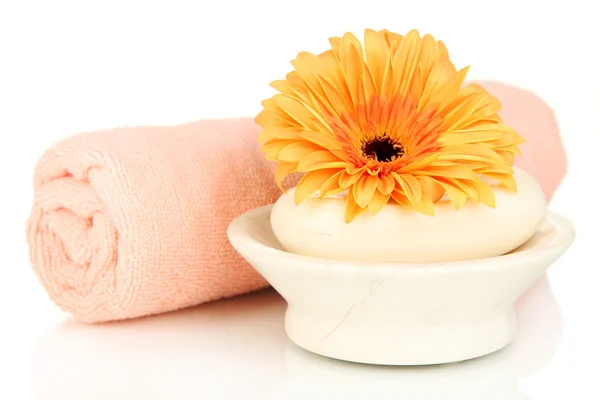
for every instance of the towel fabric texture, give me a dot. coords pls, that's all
(132, 221)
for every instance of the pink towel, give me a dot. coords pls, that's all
(132, 221)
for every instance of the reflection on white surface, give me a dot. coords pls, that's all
(237, 348)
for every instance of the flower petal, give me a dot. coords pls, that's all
(311, 182)
(478, 134)
(446, 91)
(318, 138)
(506, 180)
(457, 196)
(314, 72)
(469, 152)
(378, 201)
(296, 151)
(377, 54)
(347, 180)
(272, 148)
(430, 56)
(301, 113)
(484, 192)
(419, 164)
(351, 60)
(404, 64)
(282, 170)
(320, 160)
(465, 110)
(423, 206)
(272, 131)
(414, 185)
(364, 189)
(386, 184)
(448, 171)
(431, 188)
(332, 185)
(352, 208)
(410, 186)
(441, 73)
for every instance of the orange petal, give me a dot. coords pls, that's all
(332, 185)
(320, 160)
(301, 113)
(399, 196)
(378, 201)
(431, 187)
(448, 171)
(393, 40)
(272, 148)
(351, 169)
(349, 41)
(441, 73)
(338, 97)
(507, 157)
(477, 134)
(311, 182)
(352, 208)
(429, 56)
(424, 205)
(469, 152)
(296, 151)
(347, 180)
(464, 110)
(321, 139)
(386, 184)
(273, 131)
(419, 164)
(442, 50)
(464, 186)
(310, 69)
(405, 63)
(446, 91)
(414, 185)
(282, 170)
(506, 180)
(264, 117)
(377, 53)
(456, 195)
(335, 45)
(324, 81)
(484, 191)
(374, 171)
(494, 168)
(410, 186)
(351, 60)
(364, 189)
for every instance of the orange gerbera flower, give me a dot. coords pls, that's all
(392, 122)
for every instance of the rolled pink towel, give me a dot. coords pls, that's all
(132, 221)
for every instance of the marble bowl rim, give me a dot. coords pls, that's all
(244, 243)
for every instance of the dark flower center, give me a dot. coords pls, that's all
(383, 149)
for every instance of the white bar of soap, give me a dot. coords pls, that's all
(399, 235)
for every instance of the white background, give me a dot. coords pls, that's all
(67, 67)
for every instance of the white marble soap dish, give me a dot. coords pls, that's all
(399, 314)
